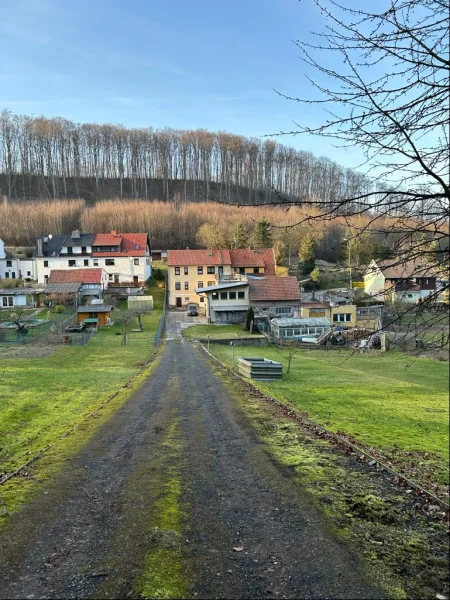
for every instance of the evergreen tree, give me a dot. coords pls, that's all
(263, 234)
(240, 236)
(306, 255)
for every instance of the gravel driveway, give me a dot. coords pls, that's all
(247, 529)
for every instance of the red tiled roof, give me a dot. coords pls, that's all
(76, 276)
(274, 288)
(106, 239)
(185, 258)
(268, 256)
(244, 257)
(131, 244)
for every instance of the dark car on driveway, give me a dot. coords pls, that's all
(192, 310)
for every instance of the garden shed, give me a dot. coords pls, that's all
(100, 312)
(291, 329)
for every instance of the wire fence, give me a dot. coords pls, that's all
(162, 321)
(36, 328)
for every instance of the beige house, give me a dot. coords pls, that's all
(342, 315)
(189, 270)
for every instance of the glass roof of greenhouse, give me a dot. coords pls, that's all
(302, 322)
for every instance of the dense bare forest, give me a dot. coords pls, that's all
(194, 225)
(57, 158)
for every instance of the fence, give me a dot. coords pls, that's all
(56, 324)
(162, 321)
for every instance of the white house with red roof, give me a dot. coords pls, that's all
(125, 257)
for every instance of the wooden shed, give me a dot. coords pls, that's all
(102, 312)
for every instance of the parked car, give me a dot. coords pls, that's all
(192, 310)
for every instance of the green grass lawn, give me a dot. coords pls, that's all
(391, 402)
(42, 398)
(215, 331)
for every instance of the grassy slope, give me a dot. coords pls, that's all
(390, 402)
(42, 398)
(215, 331)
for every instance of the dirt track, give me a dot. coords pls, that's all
(91, 533)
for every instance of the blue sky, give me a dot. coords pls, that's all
(165, 63)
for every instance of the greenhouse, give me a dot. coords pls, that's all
(296, 328)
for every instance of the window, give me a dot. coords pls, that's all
(7, 301)
(86, 263)
(199, 270)
(186, 270)
(28, 273)
(45, 263)
(83, 249)
(178, 285)
(232, 296)
(147, 261)
(186, 285)
(95, 262)
(109, 262)
(282, 310)
(72, 263)
(200, 284)
(186, 299)
(223, 295)
(69, 250)
(288, 332)
(211, 270)
(136, 261)
(241, 295)
(297, 332)
(211, 283)
(9, 263)
(202, 299)
(93, 315)
(256, 270)
(242, 270)
(177, 270)
(342, 318)
(215, 296)
(7, 275)
(110, 277)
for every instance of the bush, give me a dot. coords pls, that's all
(249, 318)
(59, 308)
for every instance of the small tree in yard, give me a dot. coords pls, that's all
(315, 277)
(250, 317)
(288, 350)
(16, 319)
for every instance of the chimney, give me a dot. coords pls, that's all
(40, 247)
(113, 232)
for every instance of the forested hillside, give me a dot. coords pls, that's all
(57, 158)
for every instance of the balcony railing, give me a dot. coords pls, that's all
(224, 277)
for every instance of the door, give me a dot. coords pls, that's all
(220, 272)
(116, 279)
(135, 279)
(178, 301)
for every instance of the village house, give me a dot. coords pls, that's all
(16, 262)
(275, 296)
(409, 282)
(20, 297)
(189, 270)
(82, 284)
(125, 257)
(341, 313)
